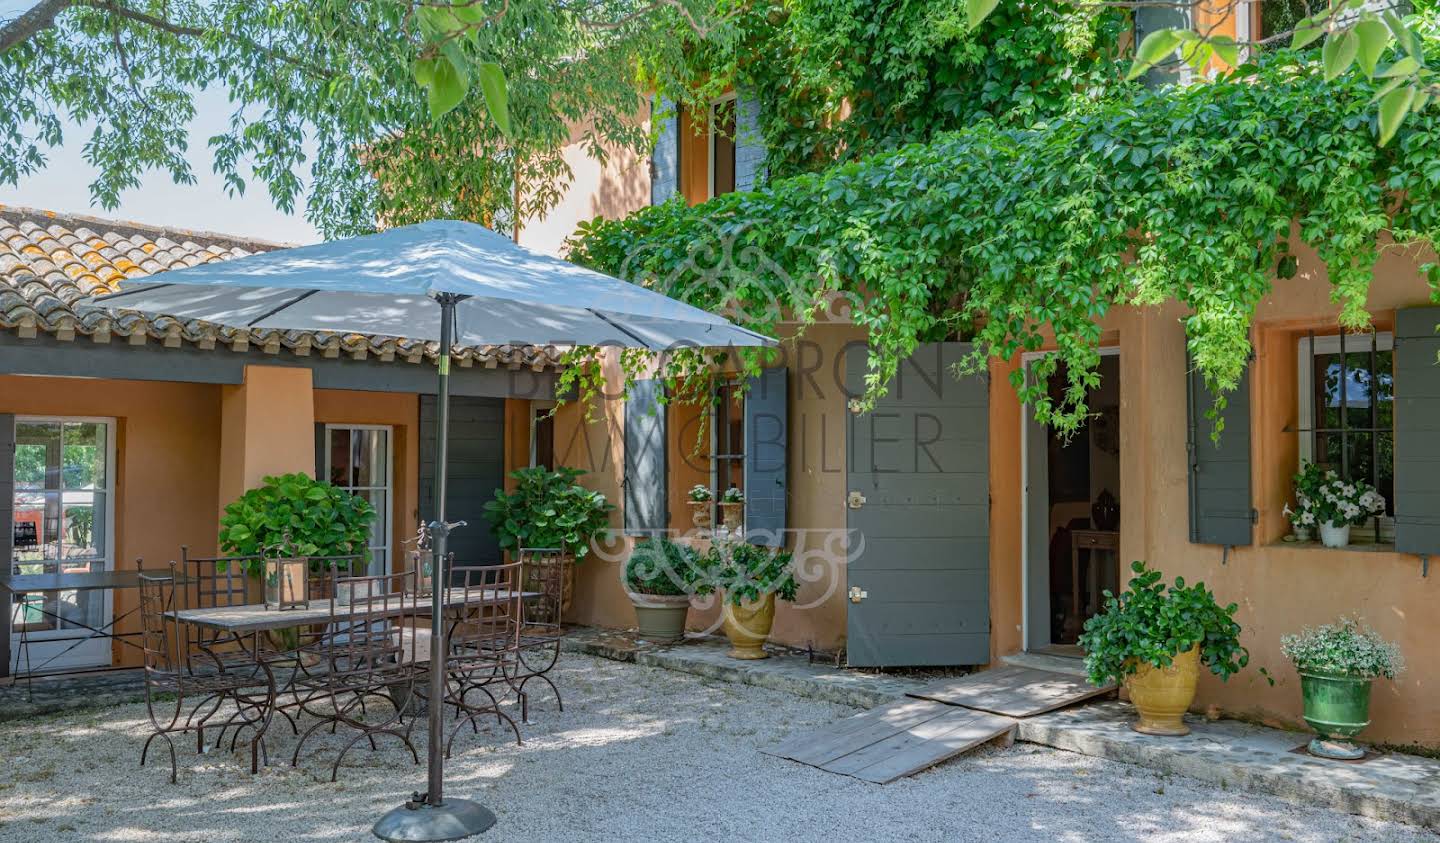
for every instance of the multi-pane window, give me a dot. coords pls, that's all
(62, 524)
(1280, 16)
(727, 456)
(542, 435)
(1347, 411)
(357, 460)
(722, 146)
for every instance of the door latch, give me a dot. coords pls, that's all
(857, 594)
(855, 500)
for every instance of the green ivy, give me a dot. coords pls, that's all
(295, 515)
(1013, 236)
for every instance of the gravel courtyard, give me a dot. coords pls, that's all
(638, 754)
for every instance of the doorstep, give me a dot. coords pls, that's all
(1225, 753)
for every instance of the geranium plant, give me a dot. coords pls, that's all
(700, 493)
(296, 515)
(1339, 502)
(747, 573)
(548, 509)
(1152, 623)
(1344, 648)
(659, 566)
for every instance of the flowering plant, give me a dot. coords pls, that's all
(700, 493)
(732, 495)
(1339, 502)
(1301, 518)
(1344, 648)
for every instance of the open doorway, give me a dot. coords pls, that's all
(1072, 517)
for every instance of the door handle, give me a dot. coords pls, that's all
(855, 500)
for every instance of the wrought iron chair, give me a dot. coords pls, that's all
(484, 644)
(175, 665)
(543, 575)
(362, 656)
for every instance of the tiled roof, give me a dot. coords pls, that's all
(49, 260)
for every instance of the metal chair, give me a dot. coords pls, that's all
(176, 665)
(362, 656)
(484, 644)
(543, 574)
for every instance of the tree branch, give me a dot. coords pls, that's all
(39, 17)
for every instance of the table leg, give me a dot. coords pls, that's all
(1074, 622)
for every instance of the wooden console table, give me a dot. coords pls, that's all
(1093, 541)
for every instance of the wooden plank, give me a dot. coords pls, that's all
(838, 739)
(1013, 691)
(927, 744)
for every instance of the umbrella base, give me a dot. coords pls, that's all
(455, 820)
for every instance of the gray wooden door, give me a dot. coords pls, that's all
(920, 541)
(477, 469)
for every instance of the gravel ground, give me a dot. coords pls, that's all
(638, 754)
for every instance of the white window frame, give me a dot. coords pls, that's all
(710, 142)
(1304, 359)
(96, 652)
(537, 409)
(389, 488)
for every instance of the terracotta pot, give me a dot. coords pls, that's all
(660, 617)
(748, 626)
(732, 513)
(1163, 695)
(701, 513)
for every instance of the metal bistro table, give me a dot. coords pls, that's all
(254, 617)
(18, 586)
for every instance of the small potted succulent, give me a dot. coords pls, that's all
(701, 498)
(1338, 504)
(660, 576)
(1337, 664)
(749, 579)
(732, 508)
(1153, 638)
(549, 509)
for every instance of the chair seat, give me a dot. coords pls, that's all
(209, 683)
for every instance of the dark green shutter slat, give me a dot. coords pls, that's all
(1417, 430)
(665, 162)
(765, 468)
(646, 506)
(1221, 505)
(320, 452)
(477, 469)
(7, 526)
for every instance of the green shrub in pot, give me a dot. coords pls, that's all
(548, 509)
(749, 578)
(1337, 664)
(305, 516)
(660, 576)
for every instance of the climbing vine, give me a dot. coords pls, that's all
(1015, 237)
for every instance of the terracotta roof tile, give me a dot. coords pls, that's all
(49, 260)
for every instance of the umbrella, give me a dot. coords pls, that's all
(446, 280)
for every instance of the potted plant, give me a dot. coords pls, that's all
(749, 578)
(659, 577)
(1337, 664)
(1153, 638)
(549, 509)
(700, 498)
(1302, 518)
(732, 508)
(1338, 504)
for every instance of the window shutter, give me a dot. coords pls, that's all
(665, 162)
(7, 525)
(320, 452)
(749, 143)
(766, 421)
(1152, 18)
(1417, 431)
(646, 505)
(1221, 511)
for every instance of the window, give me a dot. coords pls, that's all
(1281, 16)
(727, 440)
(1347, 421)
(63, 511)
(722, 146)
(357, 459)
(542, 434)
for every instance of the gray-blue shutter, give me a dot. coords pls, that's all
(766, 420)
(1221, 511)
(7, 527)
(665, 162)
(1417, 431)
(1152, 18)
(749, 143)
(647, 509)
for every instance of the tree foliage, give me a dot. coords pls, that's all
(1014, 236)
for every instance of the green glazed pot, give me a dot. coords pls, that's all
(661, 619)
(1338, 709)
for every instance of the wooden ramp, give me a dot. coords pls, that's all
(894, 740)
(1013, 691)
(935, 723)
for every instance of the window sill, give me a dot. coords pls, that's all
(1353, 547)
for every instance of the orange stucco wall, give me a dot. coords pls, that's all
(267, 428)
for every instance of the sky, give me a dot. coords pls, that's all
(64, 186)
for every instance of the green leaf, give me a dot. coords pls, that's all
(1307, 31)
(497, 100)
(1339, 53)
(1157, 46)
(978, 10)
(1373, 37)
(1226, 49)
(468, 11)
(1393, 108)
(1404, 67)
(448, 88)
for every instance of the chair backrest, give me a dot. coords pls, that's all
(543, 574)
(490, 613)
(159, 635)
(214, 581)
(366, 615)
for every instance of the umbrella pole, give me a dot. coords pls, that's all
(429, 816)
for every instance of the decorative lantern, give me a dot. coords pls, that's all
(287, 578)
(422, 559)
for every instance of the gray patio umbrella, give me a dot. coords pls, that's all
(455, 283)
